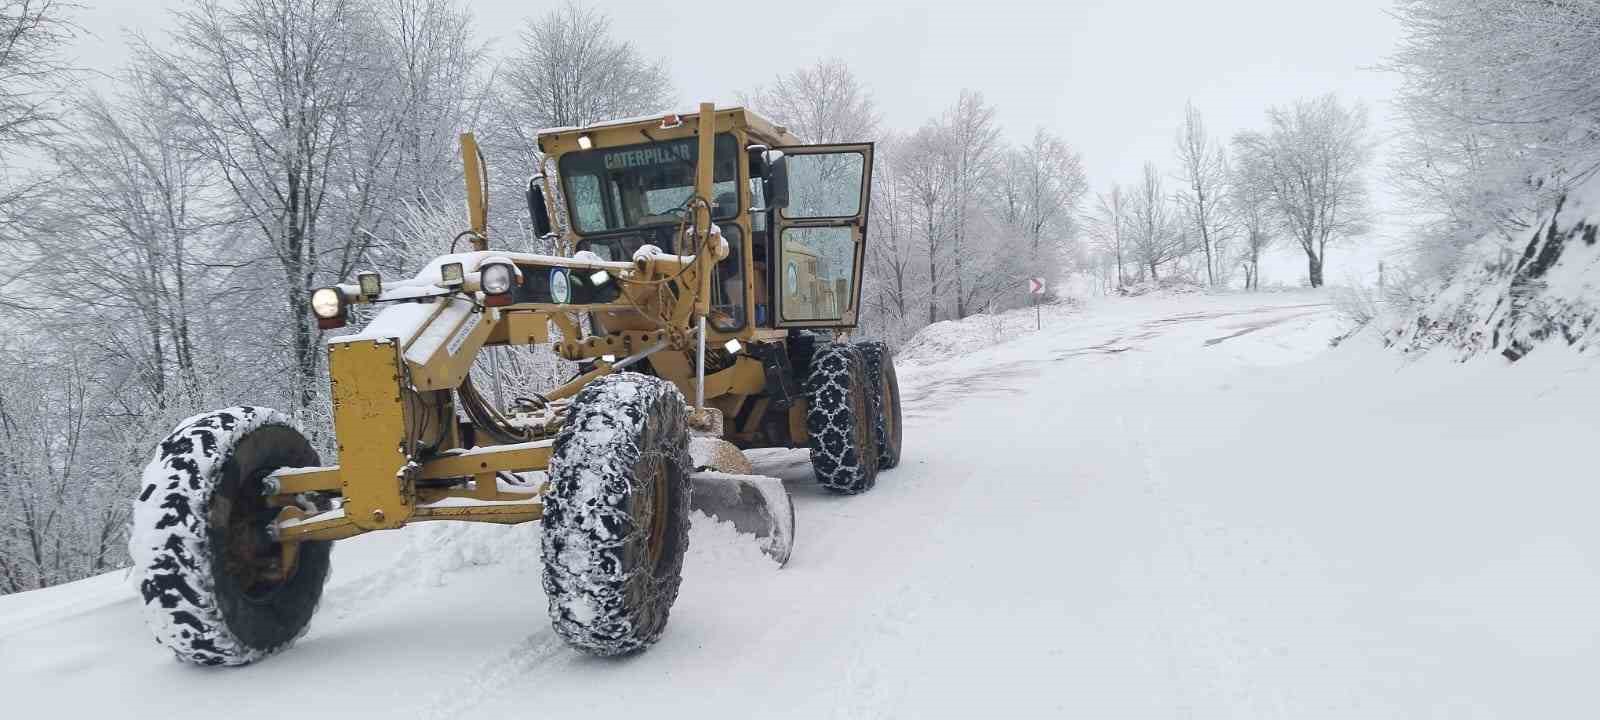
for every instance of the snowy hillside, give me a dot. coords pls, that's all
(1153, 507)
(1514, 294)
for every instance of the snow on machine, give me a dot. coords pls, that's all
(708, 304)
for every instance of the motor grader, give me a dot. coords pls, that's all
(707, 279)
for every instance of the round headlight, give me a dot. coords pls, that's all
(495, 279)
(327, 303)
(560, 286)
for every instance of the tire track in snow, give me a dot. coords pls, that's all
(1205, 657)
(493, 677)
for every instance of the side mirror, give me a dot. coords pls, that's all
(775, 184)
(759, 169)
(538, 211)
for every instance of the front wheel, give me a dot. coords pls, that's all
(616, 514)
(216, 588)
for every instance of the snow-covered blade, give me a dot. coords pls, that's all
(727, 488)
(754, 504)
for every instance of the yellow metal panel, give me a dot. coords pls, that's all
(369, 419)
(527, 328)
(508, 513)
(443, 352)
(511, 458)
(325, 526)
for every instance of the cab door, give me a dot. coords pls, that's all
(822, 234)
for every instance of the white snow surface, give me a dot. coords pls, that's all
(1154, 507)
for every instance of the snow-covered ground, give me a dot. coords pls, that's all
(1155, 507)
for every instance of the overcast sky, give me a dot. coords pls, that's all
(1109, 77)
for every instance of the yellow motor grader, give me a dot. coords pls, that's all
(708, 278)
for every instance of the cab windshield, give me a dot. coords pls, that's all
(645, 184)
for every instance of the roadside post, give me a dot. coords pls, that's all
(1035, 290)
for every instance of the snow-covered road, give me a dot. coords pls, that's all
(1160, 507)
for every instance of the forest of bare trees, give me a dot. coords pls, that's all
(1302, 181)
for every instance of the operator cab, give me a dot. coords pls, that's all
(794, 216)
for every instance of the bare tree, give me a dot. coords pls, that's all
(437, 94)
(569, 70)
(1154, 232)
(1109, 227)
(973, 141)
(277, 96)
(891, 268)
(1203, 171)
(822, 103)
(926, 163)
(34, 74)
(1312, 158)
(1250, 204)
(1498, 111)
(34, 35)
(1039, 192)
(131, 215)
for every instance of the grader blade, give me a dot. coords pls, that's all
(754, 504)
(727, 488)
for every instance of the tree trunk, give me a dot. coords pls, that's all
(1314, 267)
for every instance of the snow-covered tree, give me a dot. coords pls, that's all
(1250, 207)
(1203, 171)
(1038, 191)
(1312, 158)
(1499, 113)
(821, 103)
(1108, 226)
(1155, 232)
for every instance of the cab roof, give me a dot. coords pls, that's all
(659, 126)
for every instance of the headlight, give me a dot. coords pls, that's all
(495, 279)
(560, 286)
(327, 303)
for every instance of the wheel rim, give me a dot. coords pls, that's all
(866, 436)
(249, 556)
(655, 478)
(890, 421)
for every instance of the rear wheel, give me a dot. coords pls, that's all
(616, 515)
(887, 428)
(217, 589)
(839, 419)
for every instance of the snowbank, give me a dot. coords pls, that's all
(1515, 293)
(1173, 286)
(953, 338)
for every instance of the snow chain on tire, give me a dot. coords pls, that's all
(616, 514)
(886, 386)
(199, 518)
(839, 420)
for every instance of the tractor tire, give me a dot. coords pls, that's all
(616, 514)
(886, 385)
(208, 572)
(840, 409)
